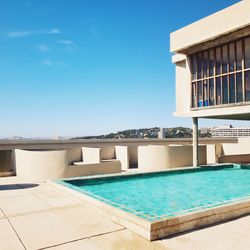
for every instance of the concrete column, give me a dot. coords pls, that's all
(195, 142)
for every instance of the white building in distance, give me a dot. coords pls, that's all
(228, 131)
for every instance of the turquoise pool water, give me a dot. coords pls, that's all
(160, 195)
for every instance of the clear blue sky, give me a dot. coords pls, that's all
(88, 67)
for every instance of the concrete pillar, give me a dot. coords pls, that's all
(195, 142)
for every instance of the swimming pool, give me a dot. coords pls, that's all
(162, 196)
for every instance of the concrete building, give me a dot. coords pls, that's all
(162, 133)
(212, 58)
(228, 131)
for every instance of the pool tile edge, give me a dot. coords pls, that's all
(166, 226)
(134, 223)
(196, 220)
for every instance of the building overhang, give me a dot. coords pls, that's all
(213, 30)
(178, 58)
(239, 112)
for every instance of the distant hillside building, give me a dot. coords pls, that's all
(229, 131)
(162, 133)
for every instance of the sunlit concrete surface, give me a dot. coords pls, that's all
(34, 216)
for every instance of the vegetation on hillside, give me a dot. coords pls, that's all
(176, 132)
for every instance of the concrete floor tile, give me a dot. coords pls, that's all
(47, 218)
(207, 242)
(88, 220)
(40, 230)
(229, 236)
(41, 188)
(11, 180)
(55, 200)
(8, 238)
(124, 240)
(14, 205)
(2, 215)
(85, 244)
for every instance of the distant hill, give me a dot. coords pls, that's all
(176, 132)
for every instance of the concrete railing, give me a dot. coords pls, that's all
(52, 159)
(65, 144)
(73, 147)
(7, 156)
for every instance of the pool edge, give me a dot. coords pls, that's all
(164, 227)
(196, 220)
(134, 223)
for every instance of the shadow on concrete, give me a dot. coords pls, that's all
(6, 187)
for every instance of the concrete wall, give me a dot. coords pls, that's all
(182, 92)
(74, 155)
(225, 21)
(122, 155)
(74, 152)
(66, 144)
(234, 158)
(45, 165)
(6, 161)
(153, 157)
(91, 155)
(41, 165)
(235, 148)
(231, 152)
(213, 153)
(244, 141)
(133, 155)
(242, 147)
(93, 169)
(128, 155)
(107, 153)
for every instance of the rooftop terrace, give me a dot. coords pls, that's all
(35, 216)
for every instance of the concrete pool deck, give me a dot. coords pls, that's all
(35, 216)
(147, 223)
